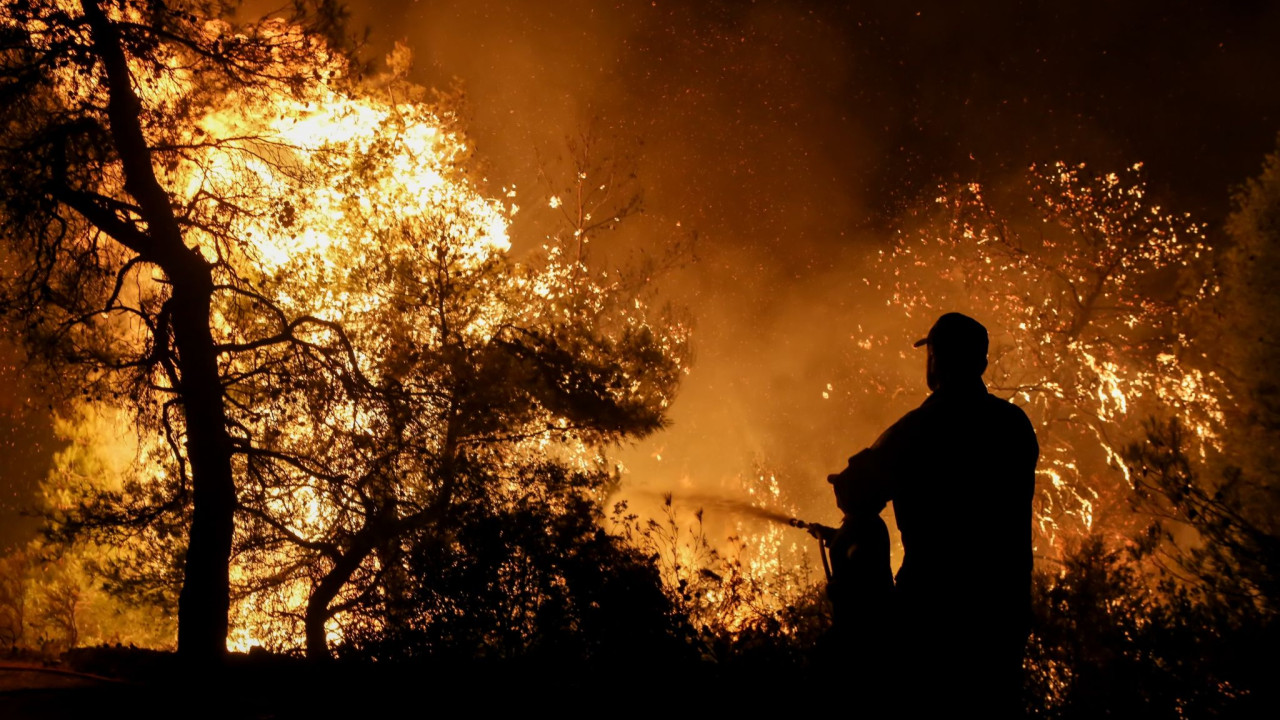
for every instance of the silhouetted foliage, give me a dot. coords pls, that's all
(742, 606)
(1232, 554)
(1246, 320)
(1109, 641)
(538, 580)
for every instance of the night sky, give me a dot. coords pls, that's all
(789, 136)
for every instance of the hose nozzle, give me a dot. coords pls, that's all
(822, 532)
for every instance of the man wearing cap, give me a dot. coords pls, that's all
(960, 472)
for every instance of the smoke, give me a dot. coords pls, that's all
(789, 135)
(26, 439)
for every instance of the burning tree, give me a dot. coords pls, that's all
(1091, 293)
(108, 281)
(475, 380)
(292, 279)
(462, 383)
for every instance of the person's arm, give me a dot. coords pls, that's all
(864, 486)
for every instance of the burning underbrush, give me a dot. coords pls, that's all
(423, 425)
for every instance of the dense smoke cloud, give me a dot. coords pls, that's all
(789, 135)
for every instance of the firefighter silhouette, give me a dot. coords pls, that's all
(947, 635)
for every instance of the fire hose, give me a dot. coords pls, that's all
(824, 534)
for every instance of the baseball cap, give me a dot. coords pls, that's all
(956, 334)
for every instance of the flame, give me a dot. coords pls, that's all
(351, 166)
(293, 185)
(312, 179)
(752, 579)
(290, 189)
(1086, 323)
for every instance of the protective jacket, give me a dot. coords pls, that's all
(960, 472)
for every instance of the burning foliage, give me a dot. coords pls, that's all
(381, 364)
(363, 426)
(757, 587)
(1094, 293)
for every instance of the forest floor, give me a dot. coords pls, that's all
(144, 684)
(30, 689)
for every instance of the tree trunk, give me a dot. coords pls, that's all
(317, 613)
(396, 585)
(205, 598)
(382, 530)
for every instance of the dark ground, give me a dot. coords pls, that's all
(143, 684)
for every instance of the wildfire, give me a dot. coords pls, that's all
(1086, 297)
(362, 291)
(348, 205)
(325, 179)
(732, 565)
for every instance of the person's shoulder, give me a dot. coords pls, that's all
(1006, 407)
(903, 428)
(915, 418)
(1003, 405)
(1009, 414)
